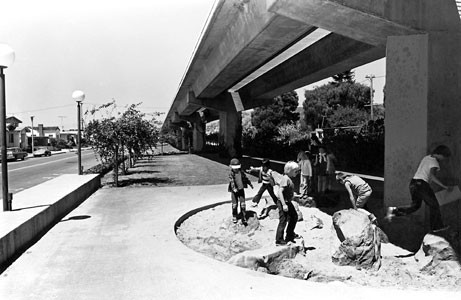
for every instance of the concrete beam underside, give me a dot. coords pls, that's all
(252, 38)
(312, 65)
(371, 21)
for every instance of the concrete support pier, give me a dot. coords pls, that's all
(423, 97)
(230, 131)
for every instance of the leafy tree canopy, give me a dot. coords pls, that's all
(267, 119)
(322, 102)
(110, 135)
(347, 116)
(346, 76)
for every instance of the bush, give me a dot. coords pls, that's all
(361, 152)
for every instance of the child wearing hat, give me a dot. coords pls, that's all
(238, 181)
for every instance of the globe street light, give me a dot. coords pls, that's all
(6, 60)
(79, 96)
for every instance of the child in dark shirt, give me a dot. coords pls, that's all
(238, 181)
(288, 217)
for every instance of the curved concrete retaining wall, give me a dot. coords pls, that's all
(38, 209)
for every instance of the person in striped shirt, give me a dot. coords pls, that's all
(265, 177)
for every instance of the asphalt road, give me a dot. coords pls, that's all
(33, 171)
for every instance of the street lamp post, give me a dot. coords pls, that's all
(79, 96)
(6, 59)
(32, 133)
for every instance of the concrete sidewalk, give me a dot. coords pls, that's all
(120, 244)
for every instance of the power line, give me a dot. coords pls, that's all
(41, 109)
(68, 105)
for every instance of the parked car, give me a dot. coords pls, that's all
(15, 153)
(42, 151)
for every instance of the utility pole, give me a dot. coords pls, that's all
(32, 134)
(371, 93)
(62, 126)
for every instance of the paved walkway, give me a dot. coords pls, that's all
(120, 244)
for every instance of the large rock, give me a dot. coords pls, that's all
(265, 257)
(313, 222)
(436, 257)
(360, 243)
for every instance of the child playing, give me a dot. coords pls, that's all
(421, 190)
(306, 174)
(287, 212)
(265, 177)
(321, 170)
(238, 181)
(331, 169)
(359, 191)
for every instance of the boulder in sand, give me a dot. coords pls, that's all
(360, 243)
(265, 257)
(313, 222)
(437, 257)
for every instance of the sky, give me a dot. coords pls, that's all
(131, 51)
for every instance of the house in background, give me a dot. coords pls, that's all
(13, 136)
(48, 131)
(21, 136)
(70, 135)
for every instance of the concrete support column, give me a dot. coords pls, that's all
(183, 138)
(198, 136)
(230, 132)
(423, 104)
(177, 134)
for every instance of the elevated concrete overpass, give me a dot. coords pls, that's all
(254, 50)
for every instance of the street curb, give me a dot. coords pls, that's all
(26, 225)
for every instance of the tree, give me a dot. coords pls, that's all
(138, 134)
(315, 107)
(267, 119)
(346, 76)
(322, 101)
(291, 133)
(111, 135)
(347, 116)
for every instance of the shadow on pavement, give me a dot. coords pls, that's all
(82, 217)
(143, 181)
